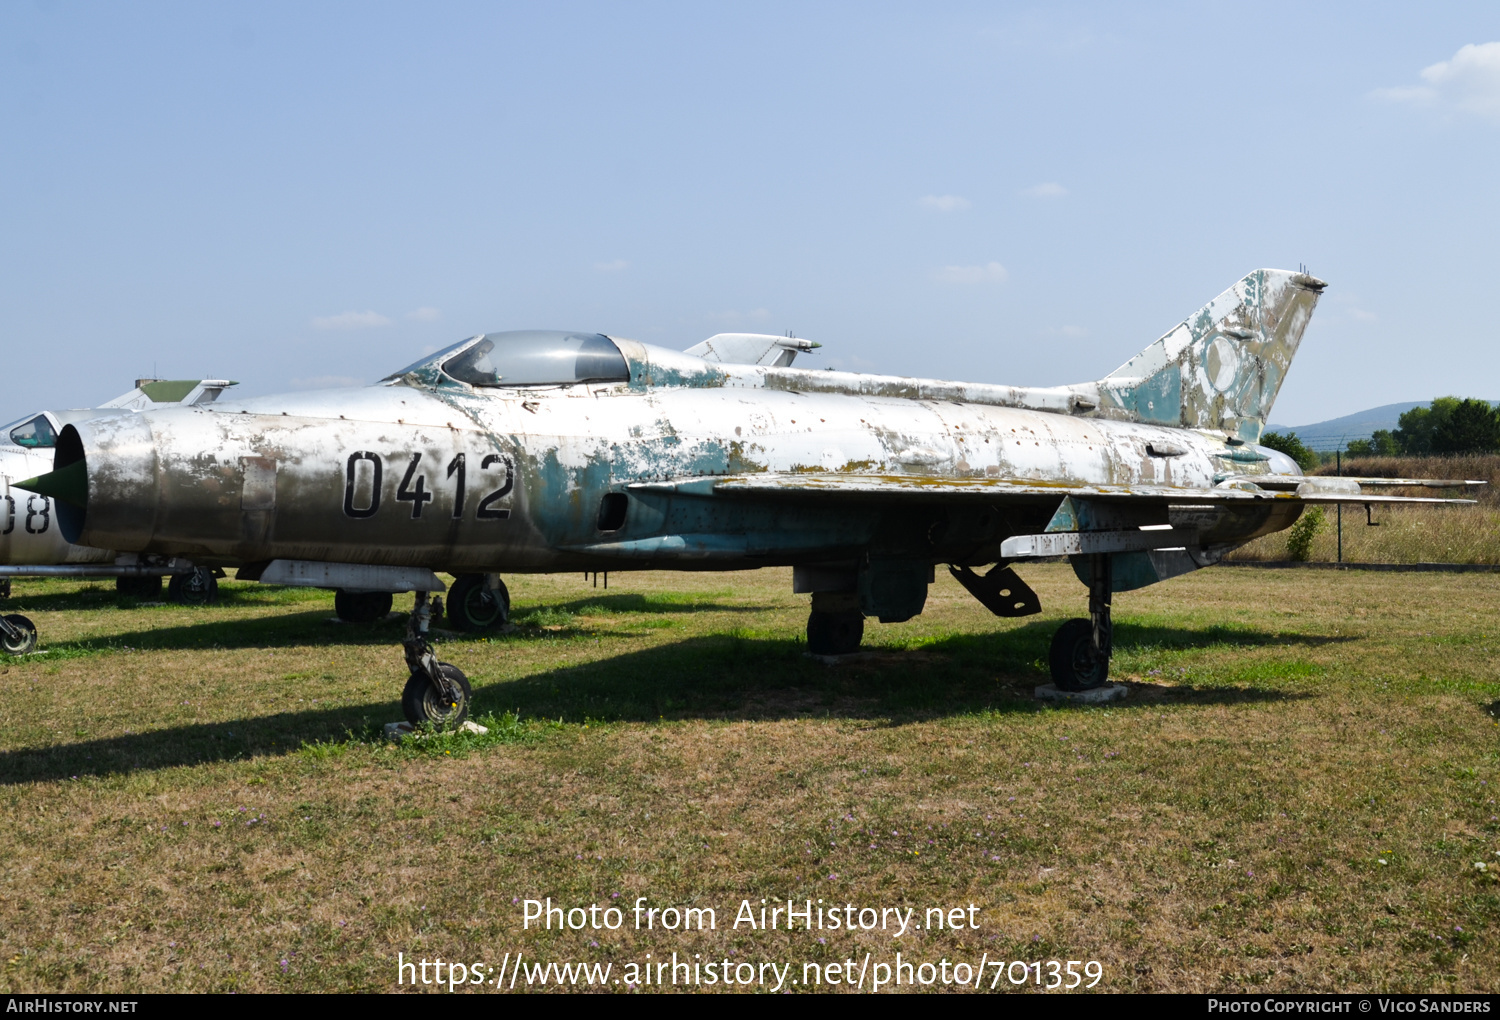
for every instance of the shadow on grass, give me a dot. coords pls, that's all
(316, 626)
(102, 595)
(714, 677)
(643, 604)
(307, 627)
(1143, 638)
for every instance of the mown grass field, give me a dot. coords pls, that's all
(1294, 797)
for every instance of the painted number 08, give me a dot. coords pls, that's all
(413, 487)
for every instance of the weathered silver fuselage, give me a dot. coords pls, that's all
(429, 472)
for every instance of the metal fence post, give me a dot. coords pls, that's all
(1338, 461)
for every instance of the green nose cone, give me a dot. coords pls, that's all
(66, 485)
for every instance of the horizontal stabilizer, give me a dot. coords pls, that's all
(1294, 481)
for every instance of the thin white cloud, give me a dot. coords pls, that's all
(350, 320)
(1051, 189)
(325, 382)
(424, 314)
(990, 272)
(943, 203)
(617, 266)
(1467, 83)
(1360, 315)
(1073, 332)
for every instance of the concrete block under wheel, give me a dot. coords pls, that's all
(399, 731)
(1092, 696)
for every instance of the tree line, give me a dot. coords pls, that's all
(1447, 426)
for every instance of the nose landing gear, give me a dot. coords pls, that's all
(1079, 657)
(436, 692)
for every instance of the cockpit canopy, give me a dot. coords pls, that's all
(34, 433)
(532, 357)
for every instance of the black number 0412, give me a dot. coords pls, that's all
(413, 487)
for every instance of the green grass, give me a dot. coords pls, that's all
(1220, 830)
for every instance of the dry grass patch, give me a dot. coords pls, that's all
(199, 800)
(1407, 534)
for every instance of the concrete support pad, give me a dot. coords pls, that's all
(399, 731)
(1092, 696)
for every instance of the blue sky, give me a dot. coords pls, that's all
(305, 194)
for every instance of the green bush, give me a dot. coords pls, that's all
(1293, 447)
(1299, 537)
(1381, 444)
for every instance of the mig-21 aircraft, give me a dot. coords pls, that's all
(545, 451)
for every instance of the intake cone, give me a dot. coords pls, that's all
(66, 485)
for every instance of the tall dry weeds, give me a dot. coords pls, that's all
(1406, 534)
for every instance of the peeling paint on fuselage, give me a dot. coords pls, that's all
(571, 445)
(376, 475)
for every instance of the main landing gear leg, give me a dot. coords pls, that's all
(436, 692)
(1081, 648)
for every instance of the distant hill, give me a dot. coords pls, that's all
(1336, 433)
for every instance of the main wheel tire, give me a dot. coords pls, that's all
(835, 633)
(200, 588)
(473, 606)
(423, 702)
(1075, 664)
(143, 589)
(27, 639)
(361, 606)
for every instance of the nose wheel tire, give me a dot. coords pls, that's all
(18, 636)
(1075, 663)
(835, 633)
(423, 702)
(361, 606)
(473, 605)
(199, 588)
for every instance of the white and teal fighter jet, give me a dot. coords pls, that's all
(542, 451)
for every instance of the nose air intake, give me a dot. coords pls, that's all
(103, 506)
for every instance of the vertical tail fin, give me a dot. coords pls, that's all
(1223, 366)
